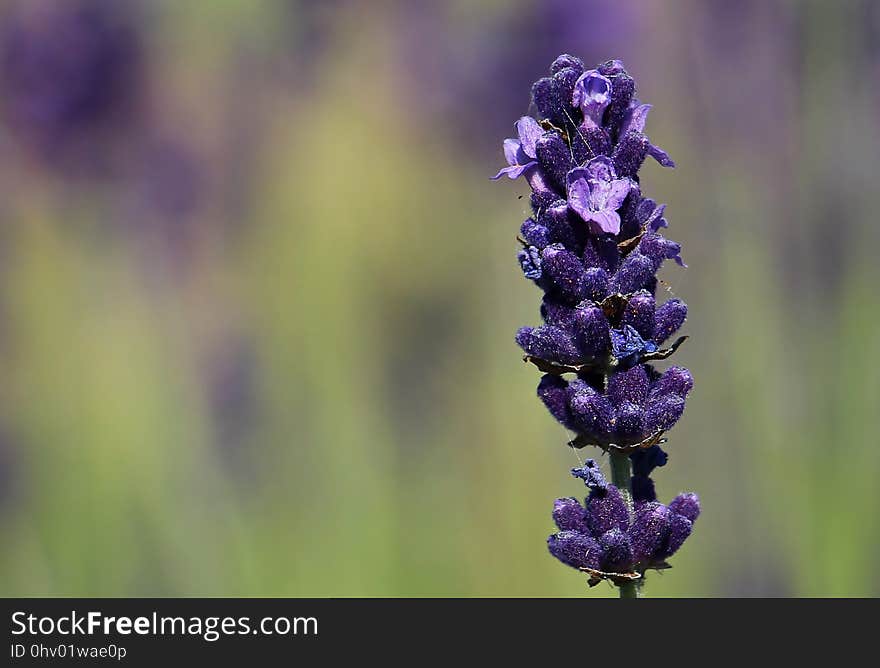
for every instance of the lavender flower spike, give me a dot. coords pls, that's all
(593, 246)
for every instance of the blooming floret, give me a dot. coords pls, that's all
(595, 194)
(520, 153)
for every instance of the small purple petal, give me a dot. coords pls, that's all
(635, 118)
(599, 168)
(594, 193)
(579, 197)
(619, 190)
(655, 220)
(660, 156)
(529, 133)
(514, 171)
(517, 159)
(541, 189)
(511, 151)
(606, 221)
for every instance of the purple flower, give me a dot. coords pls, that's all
(595, 193)
(69, 72)
(584, 332)
(637, 405)
(634, 121)
(592, 95)
(603, 535)
(521, 153)
(592, 245)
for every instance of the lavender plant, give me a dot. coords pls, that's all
(593, 246)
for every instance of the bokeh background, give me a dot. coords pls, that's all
(258, 295)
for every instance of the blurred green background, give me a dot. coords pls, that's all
(258, 295)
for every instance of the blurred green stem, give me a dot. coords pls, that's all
(621, 477)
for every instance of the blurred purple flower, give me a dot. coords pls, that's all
(488, 61)
(68, 70)
(231, 392)
(169, 179)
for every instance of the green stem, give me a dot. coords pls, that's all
(628, 590)
(621, 477)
